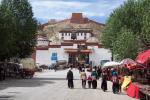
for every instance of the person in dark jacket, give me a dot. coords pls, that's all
(70, 79)
(99, 72)
(104, 81)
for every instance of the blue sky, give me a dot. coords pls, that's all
(98, 10)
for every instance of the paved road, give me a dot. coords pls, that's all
(50, 85)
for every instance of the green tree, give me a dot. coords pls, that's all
(7, 49)
(145, 29)
(127, 42)
(17, 29)
(133, 15)
(25, 25)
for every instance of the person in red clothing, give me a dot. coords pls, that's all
(89, 81)
(120, 82)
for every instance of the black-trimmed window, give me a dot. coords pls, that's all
(62, 34)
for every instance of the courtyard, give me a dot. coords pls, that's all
(51, 85)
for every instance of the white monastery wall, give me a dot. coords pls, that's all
(42, 57)
(61, 55)
(98, 54)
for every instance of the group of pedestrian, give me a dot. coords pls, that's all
(90, 79)
(93, 77)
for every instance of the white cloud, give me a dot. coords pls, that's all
(61, 9)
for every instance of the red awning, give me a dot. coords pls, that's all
(143, 57)
(131, 64)
(134, 67)
(128, 61)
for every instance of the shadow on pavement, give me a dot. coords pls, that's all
(52, 78)
(34, 82)
(6, 97)
(56, 79)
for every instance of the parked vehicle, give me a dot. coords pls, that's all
(27, 73)
(52, 66)
(12, 70)
(28, 67)
(61, 64)
(37, 69)
(43, 66)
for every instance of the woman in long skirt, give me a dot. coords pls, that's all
(115, 86)
(104, 81)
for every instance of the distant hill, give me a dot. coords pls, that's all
(52, 28)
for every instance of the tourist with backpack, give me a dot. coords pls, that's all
(94, 76)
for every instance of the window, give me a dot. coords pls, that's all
(84, 37)
(66, 34)
(62, 34)
(81, 34)
(84, 34)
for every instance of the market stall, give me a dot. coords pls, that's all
(108, 66)
(139, 71)
(144, 86)
(111, 64)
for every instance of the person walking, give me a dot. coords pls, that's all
(115, 80)
(94, 79)
(104, 81)
(83, 77)
(89, 81)
(99, 72)
(70, 79)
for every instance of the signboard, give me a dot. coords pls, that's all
(54, 56)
